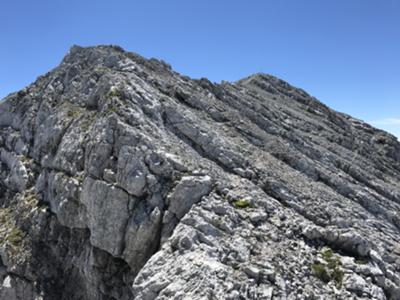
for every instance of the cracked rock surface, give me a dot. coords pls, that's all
(122, 179)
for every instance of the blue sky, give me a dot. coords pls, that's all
(344, 52)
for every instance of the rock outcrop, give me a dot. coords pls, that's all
(122, 179)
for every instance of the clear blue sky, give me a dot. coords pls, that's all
(344, 52)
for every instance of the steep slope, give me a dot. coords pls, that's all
(122, 179)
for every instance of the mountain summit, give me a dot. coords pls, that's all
(122, 179)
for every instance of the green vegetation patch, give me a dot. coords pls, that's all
(327, 254)
(74, 113)
(15, 220)
(242, 203)
(337, 276)
(331, 270)
(9, 232)
(15, 237)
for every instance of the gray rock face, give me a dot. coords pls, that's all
(186, 193)
(108, 213)
(122, 179)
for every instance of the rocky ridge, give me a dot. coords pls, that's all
(122, 179)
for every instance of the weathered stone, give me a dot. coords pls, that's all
(132, 171)
(188, 192)
(252, 272)
(14, 288)
(357, 284)
(142, 237)
(107, 209)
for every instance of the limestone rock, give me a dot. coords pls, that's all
(188, 192)
(107, 214)
(122, 179)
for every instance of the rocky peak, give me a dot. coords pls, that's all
(122, 179)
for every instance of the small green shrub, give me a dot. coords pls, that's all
(321, 272)
(241, 203)
(332, 260)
